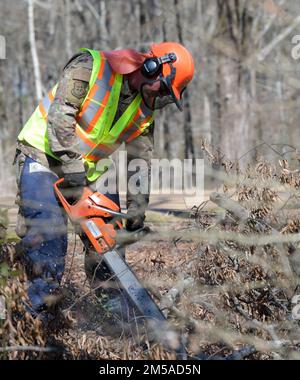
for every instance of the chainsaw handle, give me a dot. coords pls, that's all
(114, 213)
(68, 207)
(60, 180)
(125, 238)
(62, 199)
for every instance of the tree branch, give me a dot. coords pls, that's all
(267, 49)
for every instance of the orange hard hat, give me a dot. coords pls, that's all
(184, 65)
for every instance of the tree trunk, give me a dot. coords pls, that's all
(234, 110)
(33, 49)
(189, 151)
(68, 30)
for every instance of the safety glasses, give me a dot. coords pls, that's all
(156, 94)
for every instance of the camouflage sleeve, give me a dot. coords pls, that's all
(140, 148)
(72, 88)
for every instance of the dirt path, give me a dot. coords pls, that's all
(157, 203)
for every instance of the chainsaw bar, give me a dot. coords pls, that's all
(143, 302)
(137, 294)
(89, 216)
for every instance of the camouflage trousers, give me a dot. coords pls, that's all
(42, 225)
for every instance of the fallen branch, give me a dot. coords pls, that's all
(263, 53)
(241, 354)
(169, 299)
(240, 214)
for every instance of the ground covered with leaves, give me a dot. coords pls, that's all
(226, 277)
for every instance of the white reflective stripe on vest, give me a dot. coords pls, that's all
(99, 99)
(143, 114)
(93, 151)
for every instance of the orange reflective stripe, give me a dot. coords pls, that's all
(99, 152)
(83, 124)
(138, 131)
(102, 65)
(134, 135)
(145, 121)
(96, 151)
(105, 148)
(42, 111)
(91, 157)
(88, 100)
(98, 113)
(82, 136)
(93, 89)
(138, 114)
(112, 79)
(51, 97)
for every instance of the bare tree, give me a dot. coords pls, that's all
(33, 49)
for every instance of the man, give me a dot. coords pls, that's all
(102, 99)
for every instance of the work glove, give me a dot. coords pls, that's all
(73, 185)
(136, 220)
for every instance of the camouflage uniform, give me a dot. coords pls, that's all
(41, 221)
(72, 88)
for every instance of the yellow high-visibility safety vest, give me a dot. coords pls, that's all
(96, 136)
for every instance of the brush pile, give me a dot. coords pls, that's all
(21, 335)
(227, 278)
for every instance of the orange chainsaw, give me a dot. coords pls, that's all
(97, 220)
(90, 214)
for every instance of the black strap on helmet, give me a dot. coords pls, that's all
(152, 66)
